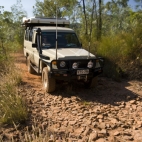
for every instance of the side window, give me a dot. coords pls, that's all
(27, 35)
(72, 39)
(75, 39)
(30, 35)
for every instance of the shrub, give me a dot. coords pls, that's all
(120, 51)
(13, 108)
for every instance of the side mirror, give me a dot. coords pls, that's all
(34, 45)
(44, 57)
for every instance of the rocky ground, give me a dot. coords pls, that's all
(109, 112)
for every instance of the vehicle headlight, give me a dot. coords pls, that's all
(62, 64)
(54, 65)
(75, 65)
(90, 64)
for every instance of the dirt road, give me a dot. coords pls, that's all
(109, 112)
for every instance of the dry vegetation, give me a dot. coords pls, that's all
(35, 128)
(13, 108)
(121, 48)
(122, 54)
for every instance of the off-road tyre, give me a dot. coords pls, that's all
(48, 83)
(30, 69)
(88, 84)
(91, 83)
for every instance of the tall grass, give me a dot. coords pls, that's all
(13, 108)
(122, 52)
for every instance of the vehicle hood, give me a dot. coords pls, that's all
(68, 53)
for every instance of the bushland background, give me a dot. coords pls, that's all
(112, 30)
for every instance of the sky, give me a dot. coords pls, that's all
(28, 5)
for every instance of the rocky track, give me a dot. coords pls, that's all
(109, 112)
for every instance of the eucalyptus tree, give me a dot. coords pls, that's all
(138, 4)
(11, 32)
(16, 32)
(49, 8)
(5, 22)
(116, 14)
(69, 9)
(84, 11)
(1, 9)
(2, 25)
(92, 19)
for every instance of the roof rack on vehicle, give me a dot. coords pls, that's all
(44, 21)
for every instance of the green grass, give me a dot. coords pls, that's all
(13, 109)
(120, 51)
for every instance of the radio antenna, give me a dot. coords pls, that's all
(89, 50)
(56, 30)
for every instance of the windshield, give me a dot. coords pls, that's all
(64, 40)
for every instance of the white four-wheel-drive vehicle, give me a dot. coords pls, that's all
(54, 51)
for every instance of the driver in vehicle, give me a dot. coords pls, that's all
(45, 42)
(48, 41)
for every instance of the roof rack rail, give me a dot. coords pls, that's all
(44, 21)
(49, 18)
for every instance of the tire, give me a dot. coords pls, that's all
(88, 84)
(94, 81)
(30, 69)
(91, 83)
(48, 83)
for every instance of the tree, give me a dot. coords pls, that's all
(116, 12)
(5, 22)
(10, 26)
(99, 26)
(17, 15)
(1, 9)
(48, 8)
(84, 11)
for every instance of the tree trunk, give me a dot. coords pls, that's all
(92, 19)
(100, 21)
(86, 24)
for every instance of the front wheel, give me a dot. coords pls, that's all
(91, 83)
(48, 83)
(30, 69)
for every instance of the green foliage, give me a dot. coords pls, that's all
(13, 108)
(121, 31)
(120, 50)
(111, 46)
(11, 33)
(48, 8)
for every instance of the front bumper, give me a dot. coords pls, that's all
(72, 74)
(81, 72)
